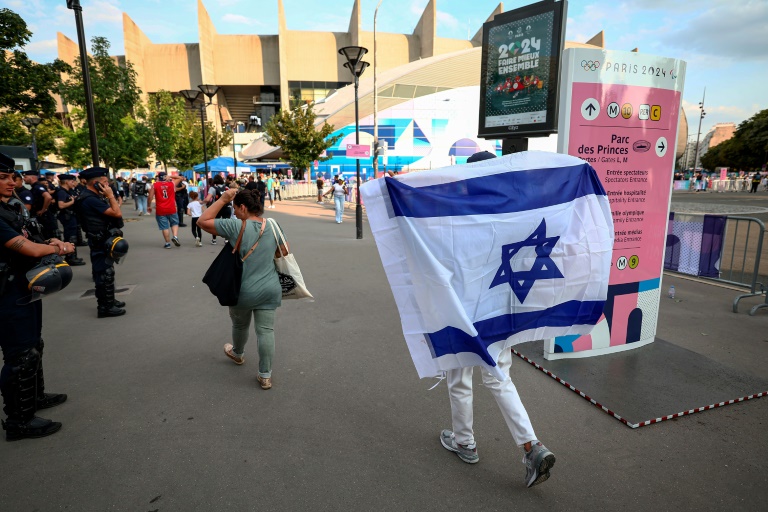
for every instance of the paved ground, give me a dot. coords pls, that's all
(160, 420)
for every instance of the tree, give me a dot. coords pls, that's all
(26, 85)
(115, 97)
(189, 150)
(13, 133)
(294, 131)
(165, 121)
(747, 149)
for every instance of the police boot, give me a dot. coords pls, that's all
(72, 259)
(19, 389)
(80, 240)
(46, 400)
(105, 295)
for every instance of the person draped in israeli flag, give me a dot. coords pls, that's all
(484, 256)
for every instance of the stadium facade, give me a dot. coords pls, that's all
(428, 86)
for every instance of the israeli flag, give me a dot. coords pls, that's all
(483, 256)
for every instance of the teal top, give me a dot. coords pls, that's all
(260, 287)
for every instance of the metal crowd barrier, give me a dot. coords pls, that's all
(747, 278)
(740, 255)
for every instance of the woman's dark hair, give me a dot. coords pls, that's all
(218, 180)
(252, 201)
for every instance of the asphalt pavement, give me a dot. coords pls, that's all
(158, 419)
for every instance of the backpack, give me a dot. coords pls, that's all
(141, 188)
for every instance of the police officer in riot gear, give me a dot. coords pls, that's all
(21, 379)
(41, 203)
(22, 192)
(101, 218)
(65, 201)
(76, 191)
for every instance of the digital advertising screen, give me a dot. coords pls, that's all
(520, 71)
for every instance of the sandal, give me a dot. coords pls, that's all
(265, 382)
(229, 351)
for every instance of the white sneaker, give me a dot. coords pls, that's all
(197, 242)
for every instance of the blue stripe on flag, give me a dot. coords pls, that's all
(506, 192)
(451, 340)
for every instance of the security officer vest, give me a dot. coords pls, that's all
(15, 214)
(96, 225)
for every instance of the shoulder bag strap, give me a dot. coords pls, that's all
(275, 231)
(263, 225)
(239, 238)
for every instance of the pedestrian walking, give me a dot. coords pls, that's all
(195, 210)
(339, 191)
(320, 183)
(215, 192)
(141, 191)
(260, 290)
(182, 198)
(164, 194)
(271, 191)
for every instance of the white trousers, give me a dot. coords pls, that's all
(460, 391)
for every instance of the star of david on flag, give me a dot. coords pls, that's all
(483, 256)
(543, 268)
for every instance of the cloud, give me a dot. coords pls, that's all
(102, 11)
(724, 30)
(447, 20)
(240, 20)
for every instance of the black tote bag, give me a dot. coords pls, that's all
(225, 274)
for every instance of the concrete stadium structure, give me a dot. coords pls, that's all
(259, 74)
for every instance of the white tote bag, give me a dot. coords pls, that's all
(291, 279)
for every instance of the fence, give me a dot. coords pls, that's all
(719, 248)
(303, 189)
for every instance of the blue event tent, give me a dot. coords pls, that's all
(221, 164)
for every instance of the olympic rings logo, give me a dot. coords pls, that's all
(590, 65)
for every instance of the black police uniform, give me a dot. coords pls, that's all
(68, 220)
(46, 219)
(90, 208)
(79, 188)
(25, 196)
(21, 379)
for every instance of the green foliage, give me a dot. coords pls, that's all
(294, 131)
(746, 150)
(165, 121)
(26, 85)
(75, 149)
(13, 133)
(189, 148)
(115, 98)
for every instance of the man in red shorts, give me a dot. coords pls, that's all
(164, 194)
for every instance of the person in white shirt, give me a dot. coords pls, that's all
(339, 191)
(195, 210)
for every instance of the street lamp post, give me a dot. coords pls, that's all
(375, 99)
(75, 6)
(31, 124)
(232, 126)
(191, 96)
(698, 135)
(355, 64)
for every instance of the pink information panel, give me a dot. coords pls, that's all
(620, 112)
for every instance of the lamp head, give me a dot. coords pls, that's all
(353, 54)
(209, 90)
(358, 69)
(190, 95)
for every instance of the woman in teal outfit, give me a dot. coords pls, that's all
(260, 291)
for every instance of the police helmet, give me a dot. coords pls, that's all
(50, 275)
(117, 248)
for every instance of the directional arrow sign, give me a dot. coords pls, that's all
(661, 146)
(590, 109)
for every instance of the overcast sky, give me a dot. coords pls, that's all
(725, 42)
